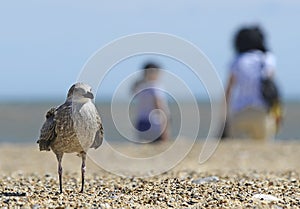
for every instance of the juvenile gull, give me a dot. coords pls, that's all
(74, 126)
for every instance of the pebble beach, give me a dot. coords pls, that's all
(240, 174)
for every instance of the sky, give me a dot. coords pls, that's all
(44, 45)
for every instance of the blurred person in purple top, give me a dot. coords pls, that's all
(152, 112)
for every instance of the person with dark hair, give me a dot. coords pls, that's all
(152, 112)
(249, 114)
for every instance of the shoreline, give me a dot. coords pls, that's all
(229, 155)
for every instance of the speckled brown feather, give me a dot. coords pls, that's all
(48, 133)
(66, 140)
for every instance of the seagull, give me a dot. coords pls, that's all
(73, 127)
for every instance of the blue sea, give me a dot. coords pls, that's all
(20, 122)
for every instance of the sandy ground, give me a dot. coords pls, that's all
(240, 174)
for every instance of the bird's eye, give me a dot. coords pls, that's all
(79, 91)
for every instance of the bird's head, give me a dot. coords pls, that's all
(80, 93)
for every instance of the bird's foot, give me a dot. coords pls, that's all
(58, 193)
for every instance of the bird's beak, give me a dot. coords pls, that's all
(89, 95)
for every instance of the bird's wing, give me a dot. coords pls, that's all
(64, 122)
(99, 134)
(48, 134)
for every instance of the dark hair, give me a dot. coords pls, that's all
(149, 65)
(249, 38)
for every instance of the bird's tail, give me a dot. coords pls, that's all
(43, 145)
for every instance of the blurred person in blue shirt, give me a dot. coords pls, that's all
(249, 114)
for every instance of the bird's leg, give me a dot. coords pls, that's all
(59, 159)
(83, 156)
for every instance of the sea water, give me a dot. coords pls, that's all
(21, 122)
